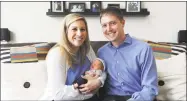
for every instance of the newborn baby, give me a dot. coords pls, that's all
(95, 71)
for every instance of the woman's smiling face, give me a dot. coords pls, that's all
(77, 33)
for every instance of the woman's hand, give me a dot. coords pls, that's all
(90, 86)
(75, 86)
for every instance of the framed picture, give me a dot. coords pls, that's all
(114, 5)
(57, 6)
(76, 7)
(133, 6)
(95, 6)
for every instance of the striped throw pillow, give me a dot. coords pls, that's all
(23, 54)
(42, 50)
(5, 55)
(178, 48)
(163, 50)
(5, 50)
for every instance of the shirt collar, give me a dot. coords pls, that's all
(128, 39)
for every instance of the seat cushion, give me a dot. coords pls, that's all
(172, 78)
(23, 81)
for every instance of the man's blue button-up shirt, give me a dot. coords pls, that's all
(131, 69)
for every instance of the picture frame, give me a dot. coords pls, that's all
(133, 6)
(76, 7)
(95, 6)
(114, 5)
(57, 6)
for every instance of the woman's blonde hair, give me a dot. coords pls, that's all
(65, 45)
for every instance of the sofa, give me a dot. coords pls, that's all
(26, 79)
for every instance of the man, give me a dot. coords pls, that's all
(130, 64)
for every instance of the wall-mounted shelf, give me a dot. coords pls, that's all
(143, 12)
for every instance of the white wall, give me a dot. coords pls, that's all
(29, 23)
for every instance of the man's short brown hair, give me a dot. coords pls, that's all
(112, 11)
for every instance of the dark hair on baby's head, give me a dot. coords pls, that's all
(112, 11)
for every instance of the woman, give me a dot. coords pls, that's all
(68, 60)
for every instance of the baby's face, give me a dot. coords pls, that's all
(97, 64)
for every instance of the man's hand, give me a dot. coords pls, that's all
(90, 86)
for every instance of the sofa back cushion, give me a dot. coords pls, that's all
(97, 44)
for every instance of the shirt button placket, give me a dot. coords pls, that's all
(118, 74)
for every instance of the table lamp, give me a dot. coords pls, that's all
(5, 35)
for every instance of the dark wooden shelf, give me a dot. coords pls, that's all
(143, 12)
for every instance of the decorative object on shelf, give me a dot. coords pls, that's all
(114, 5)
(133, 6)
(95, 6)
(5, 35)
(76, 7)
(57, 6)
